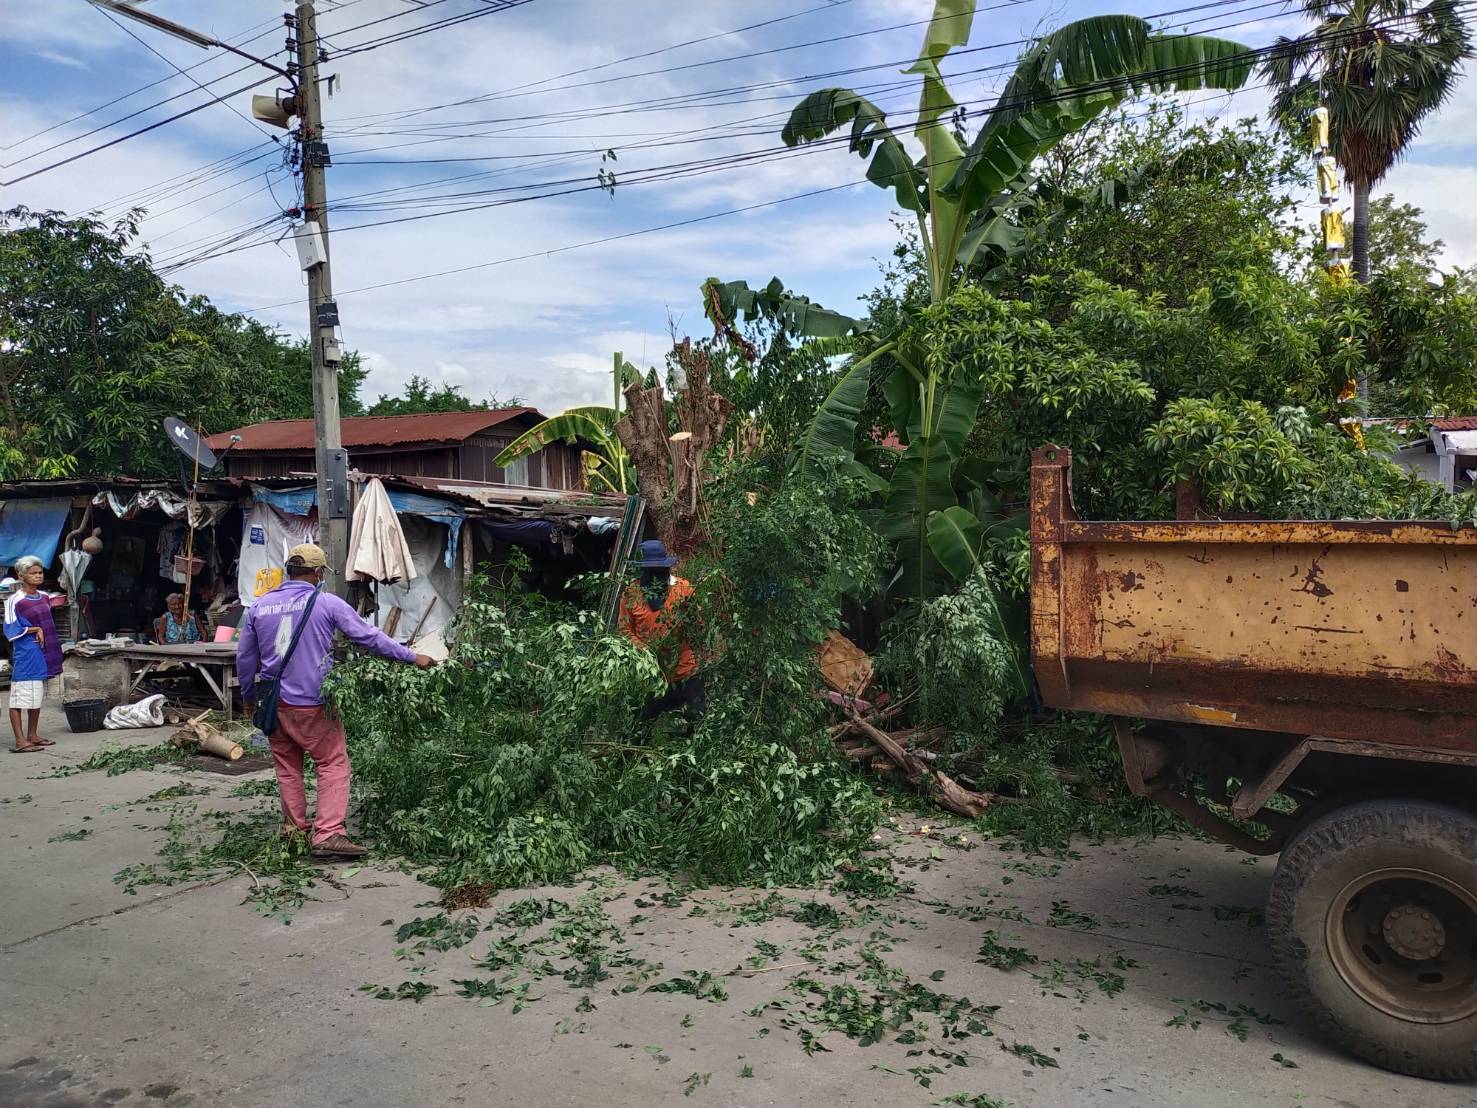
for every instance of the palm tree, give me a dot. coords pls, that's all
(1380, 67)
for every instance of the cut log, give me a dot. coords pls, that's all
(947, 792)
(854, 753)
(206, 739)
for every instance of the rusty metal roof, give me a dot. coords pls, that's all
(1455, 423)
(296, 435)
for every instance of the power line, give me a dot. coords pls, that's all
(141, 131)
(129, 31)
(692, 169)
(704, 98)
(686, 172)
(491, 7)
(680, 170)
(144, 88)
(507, 93)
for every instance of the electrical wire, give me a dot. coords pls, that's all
(129, 31)
(144, 88)
(667, 71)
(692, 169)
(696, 171)
(141, 131)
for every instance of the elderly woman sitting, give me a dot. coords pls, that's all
(177, 625)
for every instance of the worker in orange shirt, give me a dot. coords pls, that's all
(652, 613)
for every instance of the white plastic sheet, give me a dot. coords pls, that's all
(427, 602)
(266, 537)
(148, 712)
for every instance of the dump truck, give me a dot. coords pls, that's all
(1306, 689)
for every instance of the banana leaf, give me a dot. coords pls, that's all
(923, 483)
(832, 433)
(796, 313)
(830, 109)
(594, 424)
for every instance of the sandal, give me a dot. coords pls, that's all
(42, 742)
(25, 749)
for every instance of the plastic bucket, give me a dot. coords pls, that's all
(85, 715)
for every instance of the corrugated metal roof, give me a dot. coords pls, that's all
(361, 431)
(1455, 423)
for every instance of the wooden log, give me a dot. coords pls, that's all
(944, 789)
(854, 753)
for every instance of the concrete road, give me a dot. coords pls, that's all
(182, 995)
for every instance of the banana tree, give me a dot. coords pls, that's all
(963, 197)
(607, 466)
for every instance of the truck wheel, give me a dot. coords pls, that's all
(1373, 922)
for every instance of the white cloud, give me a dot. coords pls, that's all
(1443, 193)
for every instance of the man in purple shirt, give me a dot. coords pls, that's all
(304, 725)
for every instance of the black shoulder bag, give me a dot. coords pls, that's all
(269, 689)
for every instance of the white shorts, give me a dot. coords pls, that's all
(27, 694)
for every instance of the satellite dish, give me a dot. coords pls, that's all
(183, 438)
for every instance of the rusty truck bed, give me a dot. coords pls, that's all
(1361, 631)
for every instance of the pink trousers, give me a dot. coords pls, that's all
(311, 731)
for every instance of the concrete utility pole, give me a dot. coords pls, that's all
(329, 461)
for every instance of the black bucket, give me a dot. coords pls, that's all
(85, 715)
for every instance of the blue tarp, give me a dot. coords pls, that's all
(437, 511)
(299, 502)
(32, 527)
(294, 502)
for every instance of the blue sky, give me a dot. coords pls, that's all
(543, 327)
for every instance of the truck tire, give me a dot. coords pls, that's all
(1373, 922)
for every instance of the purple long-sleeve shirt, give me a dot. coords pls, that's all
(267, 630)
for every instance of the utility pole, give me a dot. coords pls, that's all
(329, 460)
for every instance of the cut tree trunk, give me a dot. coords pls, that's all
(642, 430)
(671, 469)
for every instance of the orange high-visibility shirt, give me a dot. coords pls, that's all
(656, 629)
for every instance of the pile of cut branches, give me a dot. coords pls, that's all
(525, 757)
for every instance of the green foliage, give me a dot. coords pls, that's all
(1379, 66)
(279, 866)
(97, 349)
(607, 465)
(966, 659)
(1155, 202)
(524, 759)
(420, 396)
(1002, 956)
(963, 196)
(1398, 245)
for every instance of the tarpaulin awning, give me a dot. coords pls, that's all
(299, 502)
(437, 511)
(202, 513)
(295, 502)
(32, 527)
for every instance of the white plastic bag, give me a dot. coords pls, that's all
(148, 712)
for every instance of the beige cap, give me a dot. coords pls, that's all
(307, 556)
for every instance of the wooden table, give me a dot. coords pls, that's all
(215, 662)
